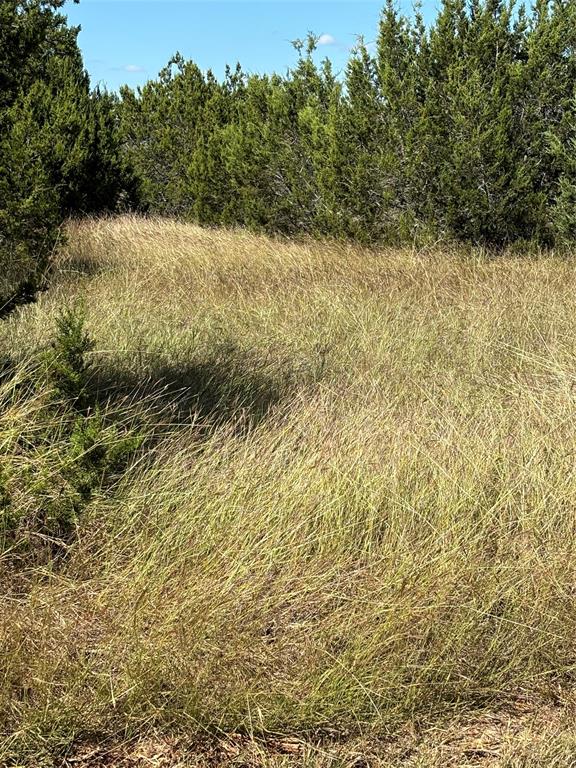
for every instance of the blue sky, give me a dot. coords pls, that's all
(129, 41)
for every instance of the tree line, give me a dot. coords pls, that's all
(462, 129)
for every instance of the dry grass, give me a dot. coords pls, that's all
(518, 738)
(359, 512)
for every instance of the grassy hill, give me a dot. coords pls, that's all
(348, 518)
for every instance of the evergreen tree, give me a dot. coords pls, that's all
(59, 144)
(159, 125)
(356, 163)
(549, 102)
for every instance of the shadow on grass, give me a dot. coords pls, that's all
(228, 386)
(26, 294)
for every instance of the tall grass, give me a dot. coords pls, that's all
(357, 509)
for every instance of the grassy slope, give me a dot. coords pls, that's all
(358, 513)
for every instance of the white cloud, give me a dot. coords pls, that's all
(133, 68)
(326, 40)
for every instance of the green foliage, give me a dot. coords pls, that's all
(60, 149)
(67, 365)
(563, 152)
(462, 129)
(58, 448)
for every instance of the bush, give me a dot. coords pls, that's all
(66, 362)
(58, 449)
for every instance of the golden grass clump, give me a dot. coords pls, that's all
(358, 506)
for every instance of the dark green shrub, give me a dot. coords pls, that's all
(58, 450)
(98, 452)
(67, 364)
(59, 143)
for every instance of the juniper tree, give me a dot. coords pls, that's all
(361, 188)
(59, 147)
